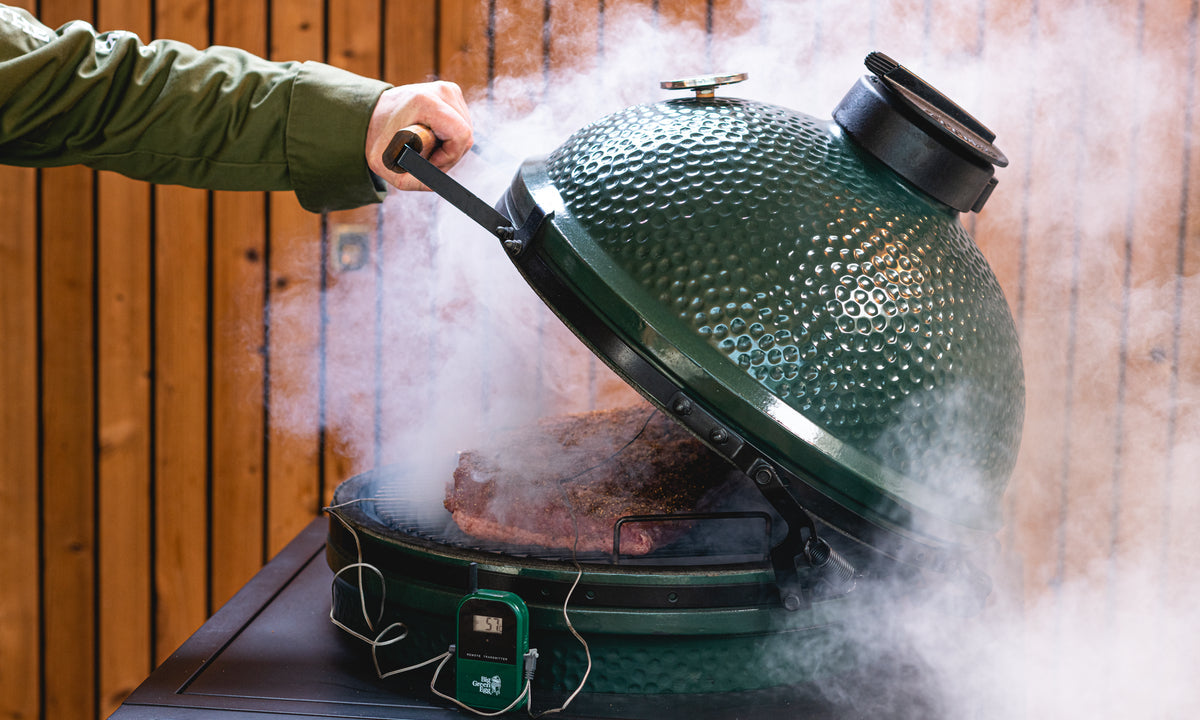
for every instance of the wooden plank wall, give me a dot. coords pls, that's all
(186, 375)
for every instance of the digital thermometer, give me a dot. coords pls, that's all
(493, 639)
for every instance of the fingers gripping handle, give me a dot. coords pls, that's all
(418, 137)
(407, 158)
(407, 152)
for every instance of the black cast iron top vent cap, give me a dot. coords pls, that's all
(921, 134)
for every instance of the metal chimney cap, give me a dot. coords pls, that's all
(921, 134)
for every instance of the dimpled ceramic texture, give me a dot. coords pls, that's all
(854, 299)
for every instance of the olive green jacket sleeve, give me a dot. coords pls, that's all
(165, 112)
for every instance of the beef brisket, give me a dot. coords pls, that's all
(541, 484)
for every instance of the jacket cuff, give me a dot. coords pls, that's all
(327, 136)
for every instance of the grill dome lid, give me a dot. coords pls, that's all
(792, 299)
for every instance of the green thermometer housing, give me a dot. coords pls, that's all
(493, 639)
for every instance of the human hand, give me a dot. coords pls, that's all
(438, 105)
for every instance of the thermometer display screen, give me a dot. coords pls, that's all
(488, 624)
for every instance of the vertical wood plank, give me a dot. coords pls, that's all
(684, 12)
(20, 611)
(124, 438)
(518, 59)
(69, 627)
(20, 544)
(68, 405)
(1183, 500)
(293, 444)
(410, 41)
(239, 249)
(732, 18)
(574, 35)
(351, 291)
(181, 357)
(622, 9)
(463, 45)
(123, 472)
(519, 27)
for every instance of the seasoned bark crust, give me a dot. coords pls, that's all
(586, 469)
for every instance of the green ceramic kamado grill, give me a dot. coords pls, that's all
(800, 295)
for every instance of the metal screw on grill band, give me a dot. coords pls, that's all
(510, 243)
(682, 406)
(764, 476)
(718, 435)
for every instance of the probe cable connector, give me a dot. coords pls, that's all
(531, 659)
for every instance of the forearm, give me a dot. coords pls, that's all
(165, 112)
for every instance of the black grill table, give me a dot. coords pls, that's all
(271, 652)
